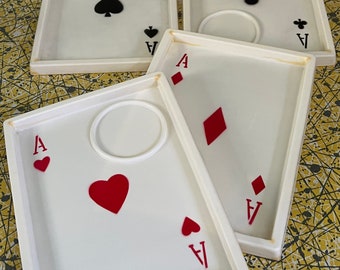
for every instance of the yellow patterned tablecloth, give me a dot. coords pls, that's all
(313, 233)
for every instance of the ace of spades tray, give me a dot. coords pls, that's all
(75, 36)
(246, 107)
(113, 180)
(296, 25)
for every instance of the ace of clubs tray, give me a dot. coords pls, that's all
(84, 36)
(246, 106)
(296, 25)
(112, 180)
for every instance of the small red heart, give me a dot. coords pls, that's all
(189, 226)
(110, 194)
(42, 164)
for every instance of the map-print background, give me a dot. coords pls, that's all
(313, 232)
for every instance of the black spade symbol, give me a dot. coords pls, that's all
(108, 6)
(151, 32)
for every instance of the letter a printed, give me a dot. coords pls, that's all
(251, 216)
(184, 60)
(203, 261)
(39, 144)
(303, 40)
(151, 46)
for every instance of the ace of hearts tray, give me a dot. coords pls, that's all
(113, 180)
(75, 36)
(296, 25)
(246, 107)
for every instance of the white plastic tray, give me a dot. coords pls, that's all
(106, 181)
(297, 25)
(75, 36)
(252, 102)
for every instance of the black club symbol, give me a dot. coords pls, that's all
(300, 23)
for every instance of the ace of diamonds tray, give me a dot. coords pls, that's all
(246, 107)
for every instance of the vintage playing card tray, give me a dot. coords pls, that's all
(76, 36)
(112, 180)
(297, 25)
(246, 106)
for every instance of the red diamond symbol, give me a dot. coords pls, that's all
(214, 125)
(258, 185)
(176, 78)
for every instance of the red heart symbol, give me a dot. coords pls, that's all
(42, 164)
(189, 226)
(110, 194)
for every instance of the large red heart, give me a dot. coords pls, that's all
(189, 226)
(42, 164)
(110, 194)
